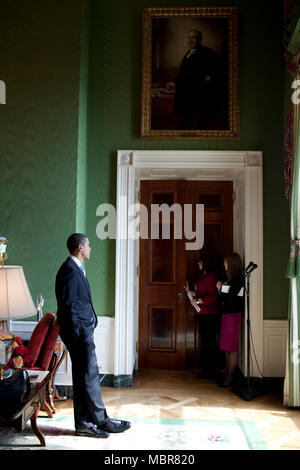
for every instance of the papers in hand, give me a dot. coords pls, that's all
(225, 289)
(196, 306)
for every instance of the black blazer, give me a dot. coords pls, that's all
(75, 312)
(231, 301)
(192, 89)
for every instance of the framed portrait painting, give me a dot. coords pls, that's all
(190, 73)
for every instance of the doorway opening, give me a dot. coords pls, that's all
(244, 172)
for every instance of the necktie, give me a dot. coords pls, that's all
(82, 269)
(94, 320)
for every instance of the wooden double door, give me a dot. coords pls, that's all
(168, 332)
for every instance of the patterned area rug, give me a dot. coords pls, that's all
(145, 434)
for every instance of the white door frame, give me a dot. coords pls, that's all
(243, 167)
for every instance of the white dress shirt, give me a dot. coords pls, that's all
(78, 263)
(190, 52)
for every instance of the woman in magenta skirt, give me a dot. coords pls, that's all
(232, 299)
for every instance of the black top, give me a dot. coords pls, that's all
(231, 301)
(192, 88)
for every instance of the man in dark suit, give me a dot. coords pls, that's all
(197, 84)
(77, 319)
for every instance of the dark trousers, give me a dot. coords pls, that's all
(210, 354)
(88, 405)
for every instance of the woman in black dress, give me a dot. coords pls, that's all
(232, 300)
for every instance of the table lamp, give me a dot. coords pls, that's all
(15, 302)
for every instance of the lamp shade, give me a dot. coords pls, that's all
(15, 298)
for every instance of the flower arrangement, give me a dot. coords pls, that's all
(20, 355)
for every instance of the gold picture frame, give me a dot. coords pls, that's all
(184, 97)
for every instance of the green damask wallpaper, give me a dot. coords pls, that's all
(39, 57)
(73, 74)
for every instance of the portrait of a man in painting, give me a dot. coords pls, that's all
(190, 75)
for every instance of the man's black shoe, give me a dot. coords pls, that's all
(115, 425)
(91, 432)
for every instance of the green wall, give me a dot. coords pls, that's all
(40, 44)
(73, 76)
(114, 120)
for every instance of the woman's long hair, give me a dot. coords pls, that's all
(208, 262)
(235, 265)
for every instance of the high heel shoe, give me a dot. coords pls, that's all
(226, 383)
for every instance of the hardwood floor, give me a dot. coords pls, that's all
(173, 394)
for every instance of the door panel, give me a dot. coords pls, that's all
(217, 197)
(162, 321)
(163, 260)
(162, 332)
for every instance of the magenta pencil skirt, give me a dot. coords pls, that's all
(229, 333)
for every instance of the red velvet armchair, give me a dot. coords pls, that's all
(41, 348)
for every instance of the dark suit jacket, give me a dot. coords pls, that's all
(193, 92)
(75, 312)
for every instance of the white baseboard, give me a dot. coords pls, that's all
(104, 341)
(275, 340)
(275, 337)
